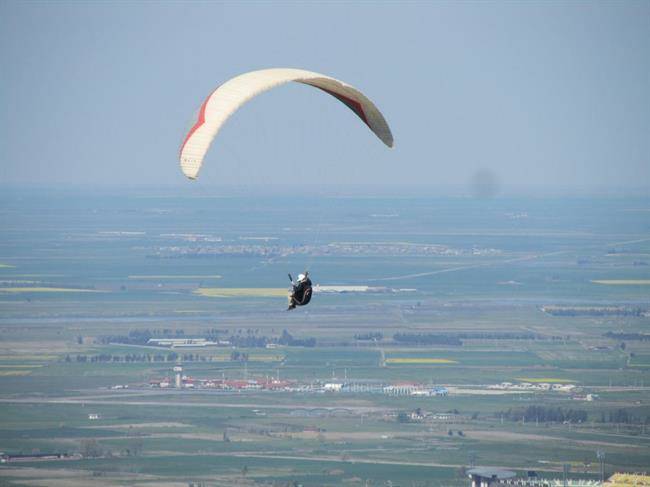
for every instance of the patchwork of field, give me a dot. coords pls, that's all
(557, 298)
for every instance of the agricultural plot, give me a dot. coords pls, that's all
(216, 292)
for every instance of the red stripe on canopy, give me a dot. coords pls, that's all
(199, 122)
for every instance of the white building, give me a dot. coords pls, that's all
(333, 387)
(401, 389)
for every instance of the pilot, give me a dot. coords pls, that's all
(301, 291)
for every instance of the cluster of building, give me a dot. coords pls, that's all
(223, 384)
(186, 342)
(266, 249)
(397, 389)
(495, 477)
(36, 457)
(533, 387)
(585, 397)
(181, 381)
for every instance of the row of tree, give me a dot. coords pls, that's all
(250, 340)
(543, 414)
(127, 358)
(369, 336)
(594, 311)
(90, 448)
(458, 337)
(643, 337)
(237, 356)
(623, 416)
(287, 339)
(427, 339)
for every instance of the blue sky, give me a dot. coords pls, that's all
(538, 93)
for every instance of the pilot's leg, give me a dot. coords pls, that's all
(292, 303)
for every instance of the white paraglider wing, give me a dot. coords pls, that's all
(227, 98)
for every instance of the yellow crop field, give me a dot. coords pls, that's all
(10, 357)
(47, 290)
(623, 282)
(266, 358)
(8, 373)
(241, 292)
(627, 479)
(219, 358)
(547, 380)
(419, 360)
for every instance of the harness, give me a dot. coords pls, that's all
(302, 296)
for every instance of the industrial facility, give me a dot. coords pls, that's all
(182, 381)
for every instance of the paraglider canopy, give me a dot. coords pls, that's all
(227, 98)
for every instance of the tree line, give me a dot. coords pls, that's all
(369, 336)
(127, 358)
(543, 414)
(593, 311)
(249, 340)
(458, 337)
(426, 339)
(643, 337)
(623, 416)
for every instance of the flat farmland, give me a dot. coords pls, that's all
(464, 297)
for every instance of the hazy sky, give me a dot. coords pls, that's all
(540, 93)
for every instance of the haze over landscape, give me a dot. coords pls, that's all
(480, 291)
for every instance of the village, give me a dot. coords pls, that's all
(270, 384)
(179, 380)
